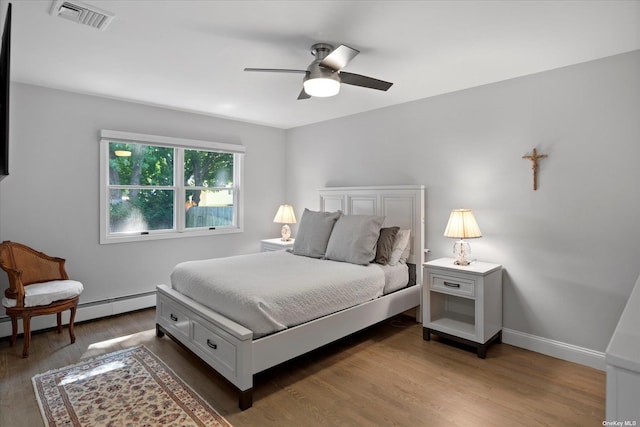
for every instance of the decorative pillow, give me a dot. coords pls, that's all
(401, 248)
(385, 244)
(313, 233)
(407, 250)
(354, 239)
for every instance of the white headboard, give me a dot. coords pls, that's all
(401, 205)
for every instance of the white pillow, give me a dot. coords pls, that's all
(354, 239)
(401, 248)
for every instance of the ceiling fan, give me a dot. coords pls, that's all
(323, 76)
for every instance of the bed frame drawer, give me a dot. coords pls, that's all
(179, 322)
(453, 285)
(215, 346)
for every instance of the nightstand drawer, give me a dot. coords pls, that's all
(453, 285)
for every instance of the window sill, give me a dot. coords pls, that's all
(126, 238)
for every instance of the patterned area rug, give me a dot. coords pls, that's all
(131, 387)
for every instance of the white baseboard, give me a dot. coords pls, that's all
(560, 350)
(87, 311)
(96, 310)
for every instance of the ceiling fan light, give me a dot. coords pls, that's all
(321, 87)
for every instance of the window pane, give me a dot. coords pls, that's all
(138, 164)
(209, 208)
(208, 169)
(134, 210)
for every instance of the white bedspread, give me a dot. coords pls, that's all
(270, 291)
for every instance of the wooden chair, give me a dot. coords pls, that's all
(38, 284)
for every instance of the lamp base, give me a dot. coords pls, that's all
(462, 250)
(286, 233)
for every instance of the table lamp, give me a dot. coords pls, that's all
(285, 216)
(462, 225)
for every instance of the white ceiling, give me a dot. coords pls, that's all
(190, 55)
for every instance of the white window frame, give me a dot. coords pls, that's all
(179, 230)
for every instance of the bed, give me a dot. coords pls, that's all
(266, 331)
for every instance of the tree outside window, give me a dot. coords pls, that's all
(146, 183)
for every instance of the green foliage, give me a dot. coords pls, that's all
(118, 215)
(208, 168)
(153, 166)
(146, 165)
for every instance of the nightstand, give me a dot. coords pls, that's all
(277, 244)
(463, 303)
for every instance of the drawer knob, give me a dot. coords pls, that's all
(211, 344)
(452, 285)
(172, 317)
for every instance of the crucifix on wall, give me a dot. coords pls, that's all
(534, 165)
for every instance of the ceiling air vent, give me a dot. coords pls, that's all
(82, 13)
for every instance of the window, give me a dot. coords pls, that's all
(155, 187)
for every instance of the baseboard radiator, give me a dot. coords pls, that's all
(86, 311)
(110, 307)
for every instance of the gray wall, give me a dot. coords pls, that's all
(50, 200)
(570, 258)
(571, 250)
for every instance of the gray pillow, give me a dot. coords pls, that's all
(313, 233)
(385, 244)
(354, 239)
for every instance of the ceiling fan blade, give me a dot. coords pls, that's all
(303, 95)
(339, 57)
(275, 70)
(364, 81)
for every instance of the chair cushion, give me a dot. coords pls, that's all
(47, 292)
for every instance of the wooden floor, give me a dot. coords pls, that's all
(384, 376)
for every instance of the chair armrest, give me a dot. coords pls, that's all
(16, 288)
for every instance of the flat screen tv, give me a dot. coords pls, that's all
(5, 82)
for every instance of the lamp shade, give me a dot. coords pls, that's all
(322, 86)
(462, 225)
(285, 215)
